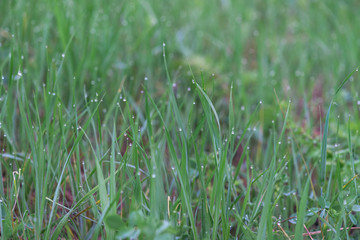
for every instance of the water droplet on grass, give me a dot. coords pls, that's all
(18, 76)
(63, 55)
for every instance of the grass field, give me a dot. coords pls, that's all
(183, 119)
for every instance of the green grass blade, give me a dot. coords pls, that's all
(299, 228)
(325, 134)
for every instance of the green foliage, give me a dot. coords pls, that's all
(179, 120)
(139, 226)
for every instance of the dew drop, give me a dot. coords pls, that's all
(18, 76)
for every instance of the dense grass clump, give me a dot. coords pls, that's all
(179, 119)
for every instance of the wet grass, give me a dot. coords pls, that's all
(179, 120)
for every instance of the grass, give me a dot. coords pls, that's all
(179, 120)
